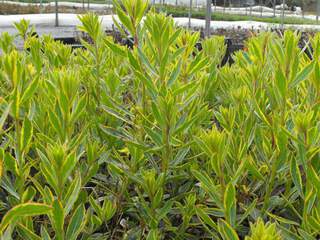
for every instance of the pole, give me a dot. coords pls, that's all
(282, 15)
(208, 18)
(318, 11)
(274, 8)
(40, 6)
(57, 13)
(190, 9)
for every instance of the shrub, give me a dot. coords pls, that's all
(158, 141)
(259, 230)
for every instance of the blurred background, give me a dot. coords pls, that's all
(273, 11)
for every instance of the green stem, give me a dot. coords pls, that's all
(167, 151)
(18, 156)
(97, 73)
(270, 185)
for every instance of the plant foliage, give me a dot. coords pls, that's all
(158, 141)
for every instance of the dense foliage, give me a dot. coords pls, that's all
(158, 141)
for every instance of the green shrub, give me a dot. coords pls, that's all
(158, 141)
(260, 231)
